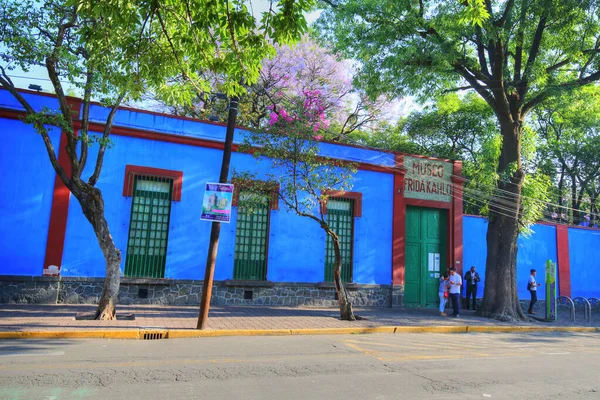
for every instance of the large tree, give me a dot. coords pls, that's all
(54, 35)
(516, 54)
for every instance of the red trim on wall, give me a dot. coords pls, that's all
(58, 214)
(176, 139)
(356, 196)
(564, 263)
(399, 223)
(131, 171)
(456, 242)
(12, 114)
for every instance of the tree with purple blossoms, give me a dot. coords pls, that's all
(294, 71)
(302, 178)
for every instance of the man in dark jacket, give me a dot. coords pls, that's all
(471, 279)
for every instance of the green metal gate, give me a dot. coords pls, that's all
(340, 217)
(251, 239)
(149, 227)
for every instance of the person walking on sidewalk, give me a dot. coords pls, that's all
(472, 278)
(443, 293)
(532, 286)
(455, 284)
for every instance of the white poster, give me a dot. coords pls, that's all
(216, 206)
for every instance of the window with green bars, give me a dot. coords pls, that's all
(340, 217)
(251, 239)
(149, 227)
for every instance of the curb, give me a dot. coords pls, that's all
(161, 333)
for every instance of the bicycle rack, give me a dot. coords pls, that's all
(595, 302)
(587, 308)
(566, 300)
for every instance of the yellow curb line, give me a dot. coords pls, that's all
(517, 329)
(192, 333)
(95, 334)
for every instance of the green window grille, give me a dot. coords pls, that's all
(340, 217)
(149, 227)
(251, 239)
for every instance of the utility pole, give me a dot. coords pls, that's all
(215, 229)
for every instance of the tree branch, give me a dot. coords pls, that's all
(51, 61)
(568, 85)
(483, 92)
(557, 65)
(481, 52)
(104, 141)
(500, 22)
(519, 43)
(85, 121)
(535, 46)
(458, 89)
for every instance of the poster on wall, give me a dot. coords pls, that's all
(216, 206)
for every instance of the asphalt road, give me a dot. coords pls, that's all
(403, 366)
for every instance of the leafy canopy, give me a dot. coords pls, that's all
(520, 51)
(200, 36)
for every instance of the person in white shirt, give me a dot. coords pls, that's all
(455, 284)
(532, 286)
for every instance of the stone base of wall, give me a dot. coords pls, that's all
(73, 290)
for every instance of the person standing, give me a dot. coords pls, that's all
(472, 278)
(455, 284)
(532, 286)
(443, 291)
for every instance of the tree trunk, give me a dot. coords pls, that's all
(561, 185)
(92, 206)
(575, 215)
(500, 298)
(346, 312)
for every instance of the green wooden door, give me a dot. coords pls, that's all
(426, 255)
(341, 220)
(149, 227)
(251, 239)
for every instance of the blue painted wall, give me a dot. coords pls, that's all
(585, 267)
(215, 132)
(297, 245)
(26, 190)
(533, 252)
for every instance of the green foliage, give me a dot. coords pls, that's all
(196, 41)
(534, 202)
(421, 48)
(474, 13)
(569, 129)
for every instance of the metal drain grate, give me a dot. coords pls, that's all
(153, 335)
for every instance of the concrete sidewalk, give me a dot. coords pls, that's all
(28, 317)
